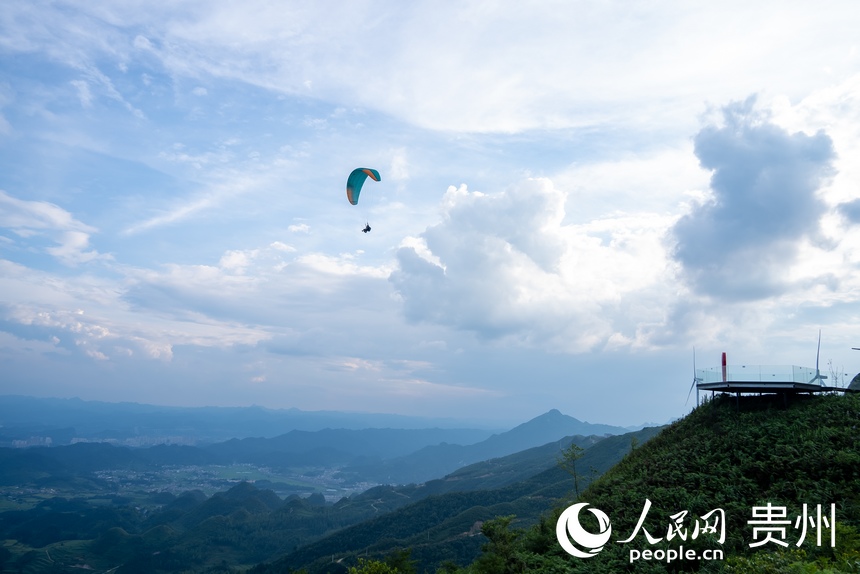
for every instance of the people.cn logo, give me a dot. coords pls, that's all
(568, 528)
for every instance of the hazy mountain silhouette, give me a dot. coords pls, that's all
(23, 418)
(438, 460)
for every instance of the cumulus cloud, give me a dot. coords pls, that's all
(505, 265)
(739, 244)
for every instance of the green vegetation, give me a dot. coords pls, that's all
(568, 462)
(446, 527)
(725, 455)
(396, 563)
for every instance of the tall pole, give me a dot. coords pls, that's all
(724, 367)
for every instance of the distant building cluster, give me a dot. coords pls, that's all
(32, 441)
(135, 441)
(141, 441)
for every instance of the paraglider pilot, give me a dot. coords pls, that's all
(354, 183)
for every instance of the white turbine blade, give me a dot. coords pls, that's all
(818, 352)
(691, 391)
(695, 380)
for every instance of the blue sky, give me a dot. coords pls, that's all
(574, 196)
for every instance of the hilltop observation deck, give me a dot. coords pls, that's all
(761, 379)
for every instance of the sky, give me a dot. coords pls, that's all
(577, 198)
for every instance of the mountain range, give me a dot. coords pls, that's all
(373, 456)
(152, 531)
(64, 420)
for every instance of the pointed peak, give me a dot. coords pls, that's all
(551, 414)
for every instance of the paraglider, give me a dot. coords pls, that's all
(353, 186)
(356, 180)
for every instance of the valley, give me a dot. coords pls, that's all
(248, 501)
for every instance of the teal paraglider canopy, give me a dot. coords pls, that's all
(356, 180)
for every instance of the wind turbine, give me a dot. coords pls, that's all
(696, 380)
(818, 376)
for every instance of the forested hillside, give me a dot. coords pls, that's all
(729, 456)
(447, 527)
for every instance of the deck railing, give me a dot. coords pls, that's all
(758, 374)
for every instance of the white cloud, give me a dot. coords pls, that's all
(34, 349)
(84, 93)
(419, 388)
(456, 67)
(95, 315)
(505, 266)
(23, 215)
(237, 261)
(342, 265)
(765, 184)
(399, 170)
(656, 181)
(72, 248)
(142, 43)
(29, 218)
(220, 187)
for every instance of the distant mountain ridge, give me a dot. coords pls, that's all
(338, 446)
(62, 420)
(549, 426)
(437, 460)
(382, 456)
